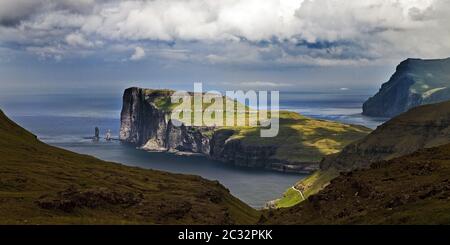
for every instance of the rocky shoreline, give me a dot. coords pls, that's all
(301, 168)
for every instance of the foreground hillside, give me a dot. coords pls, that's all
(40, 184)
(299, 146)
(414, 189)
(415, 82)
(421, 127)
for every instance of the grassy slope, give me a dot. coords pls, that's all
(300, 139)
(421, 127)
(413, 189)
(309, 186)
(40, 184)
(303, 139)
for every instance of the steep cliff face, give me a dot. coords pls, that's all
(422, 127)
(415, 82)
(145, 122)
(298, 147)
(226, 149)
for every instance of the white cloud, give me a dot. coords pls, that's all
(139, 53)
(311, 32)
(77, 39)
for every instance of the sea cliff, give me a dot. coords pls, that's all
(146, 123)
(415, 82)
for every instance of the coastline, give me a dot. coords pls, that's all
(292, 168)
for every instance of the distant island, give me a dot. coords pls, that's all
(300, 145)
(415, 82)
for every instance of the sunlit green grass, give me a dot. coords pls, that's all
(303, 139)
(300, 139)
(308, 186)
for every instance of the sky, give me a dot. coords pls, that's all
(287, 45)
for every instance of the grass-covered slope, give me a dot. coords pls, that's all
(413, 189)
(40, 184)
(305, 188)
(300, 139)
(421, 127)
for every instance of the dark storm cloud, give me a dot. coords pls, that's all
(13, 12)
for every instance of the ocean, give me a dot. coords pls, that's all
(68, 120)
